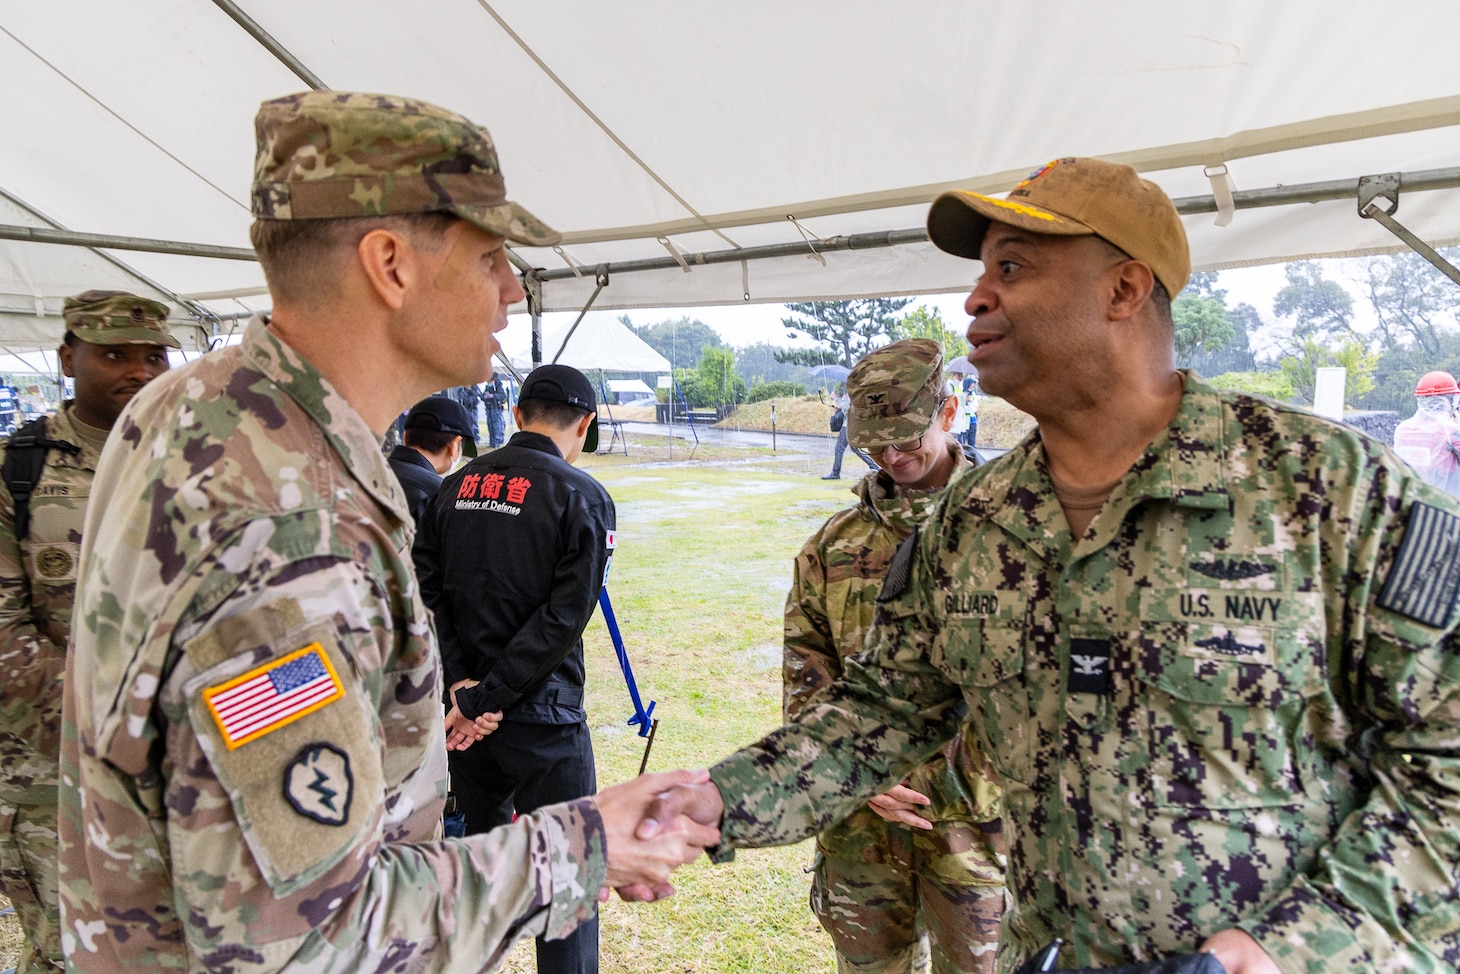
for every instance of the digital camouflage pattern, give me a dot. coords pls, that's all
(252, 516)
(332, 154)
(117, 318)
(37, 586)
(876, 883)
(1234, 701)
(895, 392)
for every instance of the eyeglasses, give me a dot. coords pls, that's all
(911, 446)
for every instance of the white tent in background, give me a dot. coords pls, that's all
(625, 389)
(703, 154)
(600, 343)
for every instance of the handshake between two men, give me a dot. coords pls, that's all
(646, 837)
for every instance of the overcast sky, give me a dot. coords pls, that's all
(742, 325)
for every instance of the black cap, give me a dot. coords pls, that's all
(444, 415)
(563, 383)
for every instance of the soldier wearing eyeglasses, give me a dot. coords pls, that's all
(914, 874)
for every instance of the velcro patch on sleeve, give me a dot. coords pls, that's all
(309, 786)
(274, 695)
(1424, 582)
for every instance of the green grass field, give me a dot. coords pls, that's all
(698, 583)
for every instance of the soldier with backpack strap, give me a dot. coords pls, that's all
(115, 344)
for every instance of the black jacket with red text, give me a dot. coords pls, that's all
(511, 557)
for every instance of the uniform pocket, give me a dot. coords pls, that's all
(1227, 705)
(986, 654)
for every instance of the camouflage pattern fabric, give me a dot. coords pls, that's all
(37, 586)
(1234, 701)
(877, 883)
(117, 318)
(254, 531)
(894, 392)
(894, 914)
(339, 154)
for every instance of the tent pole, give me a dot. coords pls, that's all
(532, 284)
(110, 242)
(1337, 189)
(266, 40)
(1386, 188)
(185, 301)
(533, 278)
(601, 276)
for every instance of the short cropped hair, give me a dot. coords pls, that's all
(558, 415)
(301, 258)
(432, 441)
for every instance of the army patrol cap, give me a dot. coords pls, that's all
(563, 383)
(895, 392)
(334, 154)
(117, 318)
(1074, 197)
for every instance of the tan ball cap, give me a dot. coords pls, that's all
(1072, 197)
(335, 154)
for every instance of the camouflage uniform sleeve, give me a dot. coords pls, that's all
(314, 844)
(1382, 894)
(890, 711)
(810, 660)
(33, 665)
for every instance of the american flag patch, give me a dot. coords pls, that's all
(278, 693)
(1424, 583)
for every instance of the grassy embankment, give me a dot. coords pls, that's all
(999, 424)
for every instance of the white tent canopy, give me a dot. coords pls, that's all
(658, 127)
(598, 343)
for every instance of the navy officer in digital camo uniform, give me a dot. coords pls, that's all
(1207, 639)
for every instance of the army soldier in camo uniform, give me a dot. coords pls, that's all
(253, 753)
(115, 344)
(1208, 640)
(914, 876)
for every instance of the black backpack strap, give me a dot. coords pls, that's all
(25, 459)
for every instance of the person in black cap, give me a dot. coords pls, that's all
(511, 641)
(437, 434)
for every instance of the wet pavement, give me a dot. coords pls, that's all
(805, 444)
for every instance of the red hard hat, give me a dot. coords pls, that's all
(1436, 384)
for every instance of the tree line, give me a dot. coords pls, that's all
(844, 331)
(1412, 327)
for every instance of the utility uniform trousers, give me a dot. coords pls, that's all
(889, 911)
(28, 878)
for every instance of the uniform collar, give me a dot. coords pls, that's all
(62, 428)
(1186, 464)
(412, 456)
(902, 508)
(535, 441)
(343, 428)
